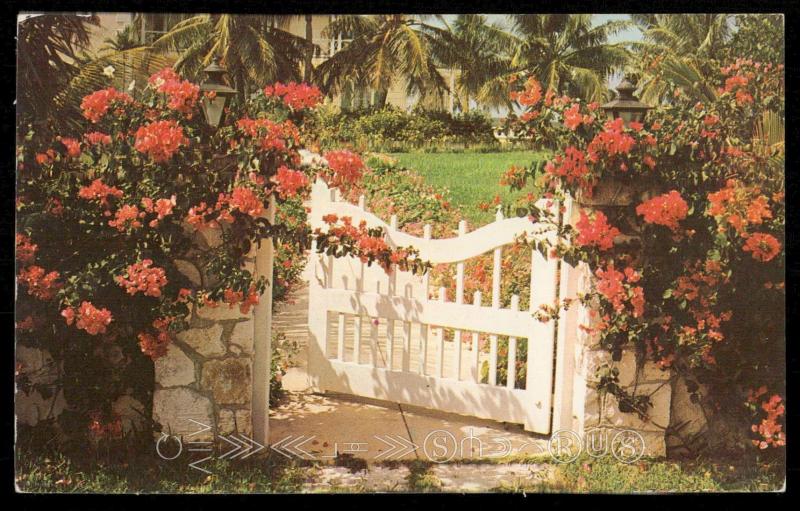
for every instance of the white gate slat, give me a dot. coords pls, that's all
(340, 337)
(440, 335)
(497, 276)
(406, 346)
(357, 339)
(392, 291)
(475, 368)
(511, 371)
(462, 230)
(423, 347)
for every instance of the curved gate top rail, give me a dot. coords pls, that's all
(503, 231)
(427, 352)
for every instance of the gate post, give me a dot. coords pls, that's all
(262, 336)
(578, 405)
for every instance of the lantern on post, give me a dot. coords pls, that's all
(216, 93)
(626, 106)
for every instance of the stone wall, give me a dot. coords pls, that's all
(204, 382)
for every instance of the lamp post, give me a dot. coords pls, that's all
(626, 106)
(215, 93)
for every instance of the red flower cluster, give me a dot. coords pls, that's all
(514, 177)
(615, 286)
(573, 117)
(162, 208)
(572, 165)
(26, 251)
(296, 96)
(245, 200)
(232, 298)
(612, 140)
(89, 318)
(666, 210)
(40, 284)
(273, 136)
(97, 138)
(46, 158)
(72, 145)
(141, 277)
(197, 217)
(182, 94)
(127, 217)
(595, 232)
(99, 191)
(771, 431)
(96, 104)
(155, 346)
(289, 181)
(369, 245)
(347, 167)
(160, 140)
(699, 287)
(763, 247)
(530, 95)
(739, 206)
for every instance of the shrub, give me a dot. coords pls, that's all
(113, 228)
(706, 231)
(390, 129)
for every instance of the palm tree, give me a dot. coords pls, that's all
(685, 48)
(565, 52)
(471, 46)
(255, 49)
(383, 50)
(47, 59)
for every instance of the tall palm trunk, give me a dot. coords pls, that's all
(310, 52)
(379, 98)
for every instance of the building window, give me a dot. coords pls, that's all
(154, 25)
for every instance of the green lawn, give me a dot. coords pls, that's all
(472, 178)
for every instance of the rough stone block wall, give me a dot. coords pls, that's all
(204, 382)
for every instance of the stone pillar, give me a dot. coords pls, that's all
(589, 407)
(204, 383)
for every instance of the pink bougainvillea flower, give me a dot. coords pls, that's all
(347, 167)
(40, 283)
(666, 210)
(96, 105)
(297, 96)
(160, 140)
(763, 247)
(595, 231)
(289, 182)
(143, 277)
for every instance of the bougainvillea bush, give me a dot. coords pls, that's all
(119, 229)
(689, 271)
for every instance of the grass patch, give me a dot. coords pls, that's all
(420, 478)
(606, 475)
(472, 178)
(150, 474)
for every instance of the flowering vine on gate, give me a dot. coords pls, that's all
(690, 271)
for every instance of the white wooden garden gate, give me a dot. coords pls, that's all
(381, 336)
